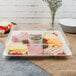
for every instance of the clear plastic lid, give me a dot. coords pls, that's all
(37, 42)
(39, 27)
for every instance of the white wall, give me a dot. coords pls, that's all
(33, 11)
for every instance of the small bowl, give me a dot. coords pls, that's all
(35, 39)
(68, 25)
(5, 27)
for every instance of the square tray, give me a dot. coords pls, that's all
(38, 46)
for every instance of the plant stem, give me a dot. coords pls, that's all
(53, 18)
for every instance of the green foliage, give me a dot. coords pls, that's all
(24, 41)
(8, 53)
(45, 46)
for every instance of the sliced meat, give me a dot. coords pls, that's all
(20, 37)
(35, 50)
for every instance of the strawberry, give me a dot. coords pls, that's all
(6, 29)
(26, 53)
(59, 53)
(20, 54)
(26, 41)
(12, 53)
(44, 40)
(63, 53)
(1, 28)
(16, 53)
(55, 34)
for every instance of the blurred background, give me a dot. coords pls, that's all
(25, 12)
